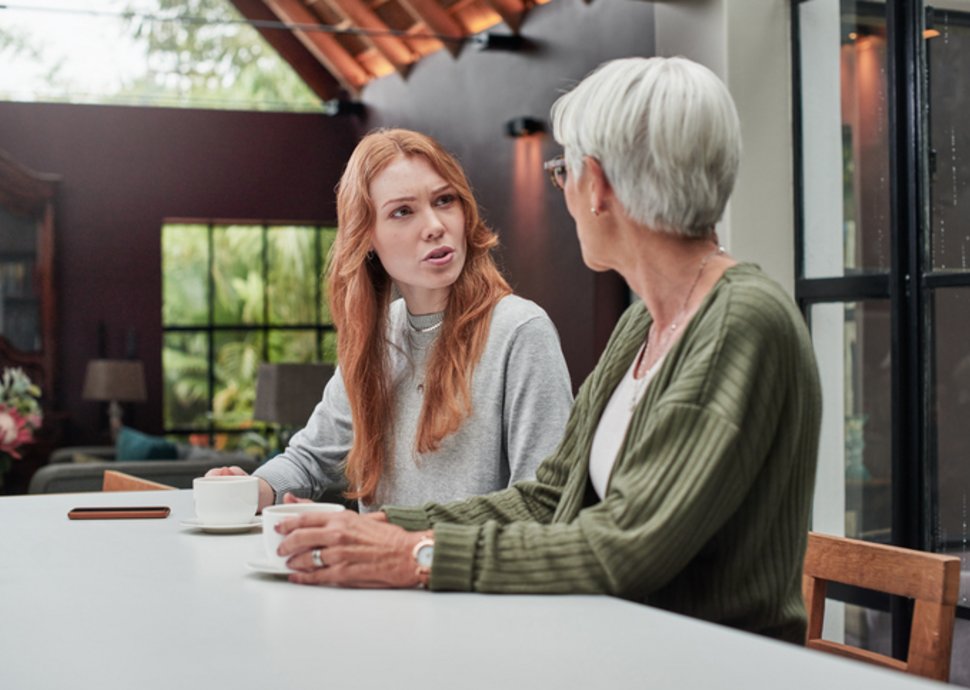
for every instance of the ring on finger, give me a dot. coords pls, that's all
(317, 560)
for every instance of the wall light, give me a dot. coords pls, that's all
(342, 106)
(523, 127)
(490, 41)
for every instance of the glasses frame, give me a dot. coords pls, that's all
(557, 170)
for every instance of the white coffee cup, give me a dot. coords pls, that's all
(277, 513)
(226, 500)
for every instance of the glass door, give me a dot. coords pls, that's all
(883, 276)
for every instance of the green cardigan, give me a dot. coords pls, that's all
(707, 508)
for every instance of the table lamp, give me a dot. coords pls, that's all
(287, 393)
(114, 381)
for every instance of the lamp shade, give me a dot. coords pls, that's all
(119, 380)
(287, 393)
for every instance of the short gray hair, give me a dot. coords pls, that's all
(665, 131)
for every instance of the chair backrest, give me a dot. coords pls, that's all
(931, 580)
(121, 481)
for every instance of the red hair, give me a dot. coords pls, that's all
(360, 293)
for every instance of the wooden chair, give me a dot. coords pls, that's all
(121, 481)
(932, 580)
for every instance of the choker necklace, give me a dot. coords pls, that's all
(438, 319)
(664, 339)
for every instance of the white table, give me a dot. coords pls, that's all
(147, 604)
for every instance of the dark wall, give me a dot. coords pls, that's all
(126, 169)
(464, 103)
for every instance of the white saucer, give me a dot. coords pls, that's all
(194, 523)
(261, 565)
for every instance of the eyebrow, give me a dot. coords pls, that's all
(434, 192)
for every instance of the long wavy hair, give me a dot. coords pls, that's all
(360, 292)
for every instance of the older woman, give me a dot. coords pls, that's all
(685, 475)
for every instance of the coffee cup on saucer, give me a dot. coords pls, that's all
(272, 515)
(225, 500)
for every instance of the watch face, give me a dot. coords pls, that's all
(425, 555)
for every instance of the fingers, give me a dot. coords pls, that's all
(314, 520)
(233, 471)
(379, 516)
(290, 498)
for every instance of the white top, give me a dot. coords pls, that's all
(613, 425)
(148, 604)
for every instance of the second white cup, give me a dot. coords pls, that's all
(276, 513)
(227, 500)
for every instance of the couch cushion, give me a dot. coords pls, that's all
(134, 445)
(85, 458)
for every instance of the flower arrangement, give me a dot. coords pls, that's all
(20, 414)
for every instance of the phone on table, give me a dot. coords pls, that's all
(118, 512)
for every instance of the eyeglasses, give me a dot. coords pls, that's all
(557, 171)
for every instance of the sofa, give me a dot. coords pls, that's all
(81, 468)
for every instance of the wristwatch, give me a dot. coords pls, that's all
(423, 556)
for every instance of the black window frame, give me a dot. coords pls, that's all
(211, 329)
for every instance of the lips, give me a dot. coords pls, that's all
(439, 255)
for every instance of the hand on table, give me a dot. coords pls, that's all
(356, 550)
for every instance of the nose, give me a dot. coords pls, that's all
(433, 227)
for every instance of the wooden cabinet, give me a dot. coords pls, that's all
(28, 336)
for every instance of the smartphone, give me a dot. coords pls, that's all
(118, 512)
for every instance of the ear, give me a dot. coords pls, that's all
(600, 189)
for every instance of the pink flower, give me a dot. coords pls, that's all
(14, 431)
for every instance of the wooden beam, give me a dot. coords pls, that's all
(511, 11)
(307, 66)
(324, 46)
(363, 17)
(438, 21)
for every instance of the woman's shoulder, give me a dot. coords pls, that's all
(750, 294)
(511, 311)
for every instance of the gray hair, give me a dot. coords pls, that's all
(666, 133)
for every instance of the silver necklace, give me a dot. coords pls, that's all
(665, 338)
(427, 329)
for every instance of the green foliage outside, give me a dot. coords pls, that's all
(197, 53)
(272, 310)
(219, 62)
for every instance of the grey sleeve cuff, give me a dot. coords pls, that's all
(282, 481)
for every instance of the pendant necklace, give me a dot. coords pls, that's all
(640, 384)
(436, 321)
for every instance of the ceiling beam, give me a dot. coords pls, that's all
(511, 12)
(320, 80)
(322, 45)
(438, 21)
(391, 47)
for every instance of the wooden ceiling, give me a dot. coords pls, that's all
(363, 40)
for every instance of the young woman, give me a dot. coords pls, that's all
(455, 389)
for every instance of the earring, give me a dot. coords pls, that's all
(370, 255)
(595, 211)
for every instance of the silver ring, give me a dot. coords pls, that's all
(315, 555)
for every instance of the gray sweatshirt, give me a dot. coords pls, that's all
(521, 396)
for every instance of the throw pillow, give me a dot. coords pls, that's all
(134, 445)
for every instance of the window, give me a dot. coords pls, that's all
(233, 296)
(169, 53)
(883, 236)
